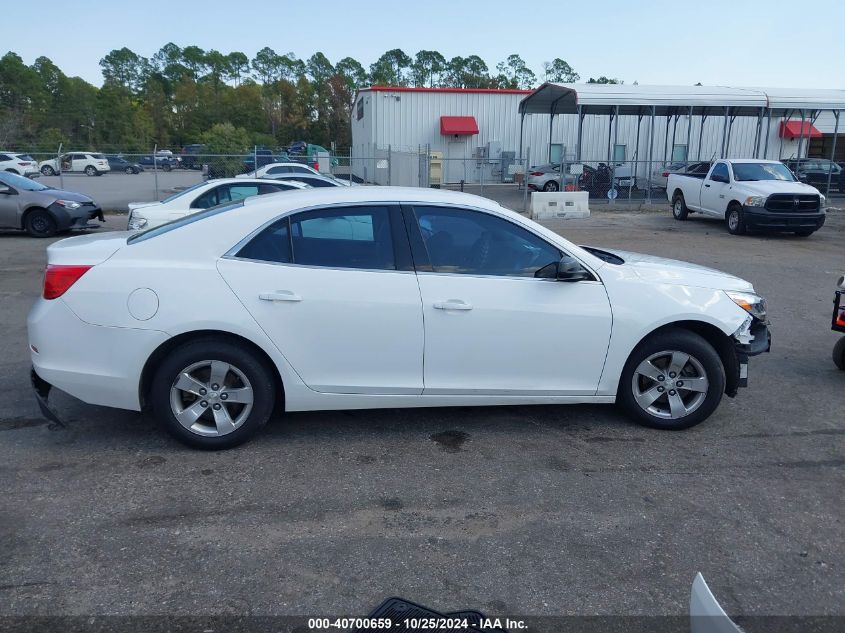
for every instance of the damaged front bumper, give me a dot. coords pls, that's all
(752, 338)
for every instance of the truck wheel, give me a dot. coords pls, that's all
(166, 167)
(734, 220)
(672, 380)
(679, 207)
(839, 353)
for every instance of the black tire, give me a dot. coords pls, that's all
(130, 170)
(166, 167)
(701, 404)
(679, 207)
(91, 171)
(839, 353)
(39, 223)
(253, 368)
(551, 185)
(804, 233)
(734, 220)
(48, 171)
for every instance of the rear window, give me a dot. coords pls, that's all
(184, 221)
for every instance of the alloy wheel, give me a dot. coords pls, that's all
(670, 384)
(211, 398)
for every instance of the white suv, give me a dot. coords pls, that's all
(20, 164)
(89, 163)
(278, 169)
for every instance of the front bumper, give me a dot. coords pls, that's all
(760, 342)
(761, 219)
(79, 218)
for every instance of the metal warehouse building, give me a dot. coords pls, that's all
(478, 133)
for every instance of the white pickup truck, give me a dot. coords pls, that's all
(749, 194)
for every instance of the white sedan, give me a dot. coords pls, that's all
(147, 215)
(368, 297)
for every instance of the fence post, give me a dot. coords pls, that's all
(255, 160)
(481, 165)
(59, 165)
(155, 169)
(525, 181)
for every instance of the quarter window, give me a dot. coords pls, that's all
(353, 237)
(475, 243)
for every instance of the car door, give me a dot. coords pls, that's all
(9, 207)
(713, 190)
(78, 162)
(335, 290)
(491, 326)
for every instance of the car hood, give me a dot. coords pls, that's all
(140, 205)
(776, 186)
(675, 272)
(62, 194)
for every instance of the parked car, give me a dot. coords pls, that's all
(312, 180)
(371, 297)
(146, 215)
(160, 161)
(815, 171)
(88, 163)
(272, 170)
(20, 164)
(265, 157)
(749, 194)
(547, 178)
(660, 176)
(191, 158)
(43, 211)
(118, 163)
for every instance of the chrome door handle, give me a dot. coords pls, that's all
(279, 295)
(453, 304)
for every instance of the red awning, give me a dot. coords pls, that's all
(793, 129)
(458, 125)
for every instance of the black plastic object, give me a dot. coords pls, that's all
(398, 610)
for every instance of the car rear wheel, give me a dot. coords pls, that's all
(679, 207)
(735, 221)
(551, 185)
(40, 223)
(166, 167)
(48, 171)
(213, 394)
(129, 170)
(91, 171)
(673, 380)
(839, 353)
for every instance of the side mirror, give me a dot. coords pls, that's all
(567, 269)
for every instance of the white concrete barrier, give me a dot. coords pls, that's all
(562, 205)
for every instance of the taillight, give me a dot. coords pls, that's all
(535, 173)
(58, 279)
(23, 164)
(665, 174)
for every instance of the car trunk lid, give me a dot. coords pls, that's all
(86, 250)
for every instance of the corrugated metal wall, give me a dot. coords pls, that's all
(408, 120)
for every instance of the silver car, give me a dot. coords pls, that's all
(547, 178)
(42, 211)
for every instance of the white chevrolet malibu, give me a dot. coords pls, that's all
(367, 297)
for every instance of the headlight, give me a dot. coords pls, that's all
(136, 222)
(822, 200)
(755, 201)
(751, 303)
(68, 204)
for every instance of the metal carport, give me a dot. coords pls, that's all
(615, 100)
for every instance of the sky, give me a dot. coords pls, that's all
(773, 43)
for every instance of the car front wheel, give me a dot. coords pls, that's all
(213, 394)
(672, 380)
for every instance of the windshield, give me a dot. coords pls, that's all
(762, 171)
(20, 183)
(179, 194)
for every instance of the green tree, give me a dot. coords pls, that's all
(391, 69)
(427, 68)
(516, 73)
(238, 66)
(604, 80)
(124, 68)
(558, 71)
(352, 72)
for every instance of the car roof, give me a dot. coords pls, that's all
(240, 181)
(749, 160)
(291, 163)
